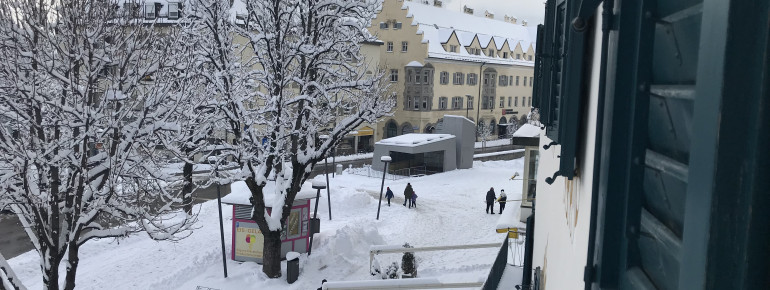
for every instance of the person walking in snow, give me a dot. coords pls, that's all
(389, 195)
(414, 199)
(491, 200)
(502, 200)
(408, 191)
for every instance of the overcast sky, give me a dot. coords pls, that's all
(530, 10)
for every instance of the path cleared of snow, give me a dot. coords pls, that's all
(450, 211)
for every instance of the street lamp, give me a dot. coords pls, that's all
(385, 159)
(317, 184)
(326, 172)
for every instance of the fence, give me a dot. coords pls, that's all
(397, 174)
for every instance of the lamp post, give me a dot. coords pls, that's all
(385, 159)
(318, 185)
(326, 172)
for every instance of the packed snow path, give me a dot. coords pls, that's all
(450, 211)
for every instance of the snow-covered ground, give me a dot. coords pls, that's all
(450, 212)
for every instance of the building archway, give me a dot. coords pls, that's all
(407, 128)
(503, 124)
(391, 129)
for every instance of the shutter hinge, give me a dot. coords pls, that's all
(588, 274)
(585, 11)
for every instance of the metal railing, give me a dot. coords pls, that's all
(498, 268)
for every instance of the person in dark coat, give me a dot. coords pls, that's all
(502, 200)
(414, 199)
(389, 195)
(408, 191)
(491, 200)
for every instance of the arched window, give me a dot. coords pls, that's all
(391, 129)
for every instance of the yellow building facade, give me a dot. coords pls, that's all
(441, 62)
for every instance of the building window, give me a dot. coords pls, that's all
(509, 101)
(444, 77)
(472, 79)
(503, 81)
(491, 53)
(505, 55)
(530, 81)
(173, 11)
(530, 58)
(397, 25)
(393, 75)
(390, 46)
(383, 25)
(394, 95)
(517, 80)
(458, 78)
(425, 77)
(442, 103)
(457, 103)
(424, 103)
(478, 51)
(404, 46)
(525, 81)
(502, 102)
(518, 56)
(470, 102)
(149, 11)
(409, 102)
(453, 48)
(391, 129)
(529, 102)
(489, 79)
(516, 102)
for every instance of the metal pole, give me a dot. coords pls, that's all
(315, 212)
(334, 165)
(221, 225)
(328, 192)
(381, 188)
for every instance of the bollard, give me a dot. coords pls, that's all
(339, 169)
(292, 267)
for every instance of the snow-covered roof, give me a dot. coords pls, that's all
(415, 139)
(527, 130)
(437, 25)
(240, 193)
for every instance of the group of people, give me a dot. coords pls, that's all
(491, 198)
(409, 196)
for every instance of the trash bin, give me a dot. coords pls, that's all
(339, 169)
(315, 225)
(292, 266)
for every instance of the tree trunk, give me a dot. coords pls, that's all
(271, 259)
(51, 273)
(72, 268)
(187, 173)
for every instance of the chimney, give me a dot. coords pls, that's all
(523, 23)
(489, 14)
(467, 10)
(438, 3)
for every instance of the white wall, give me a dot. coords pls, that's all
(563, 208)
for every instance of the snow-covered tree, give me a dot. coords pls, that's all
(485, 134)
(87, 98)
(299, 81)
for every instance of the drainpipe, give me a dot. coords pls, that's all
(478, 102)
(589, 272)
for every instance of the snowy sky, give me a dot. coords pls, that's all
(530, 10)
